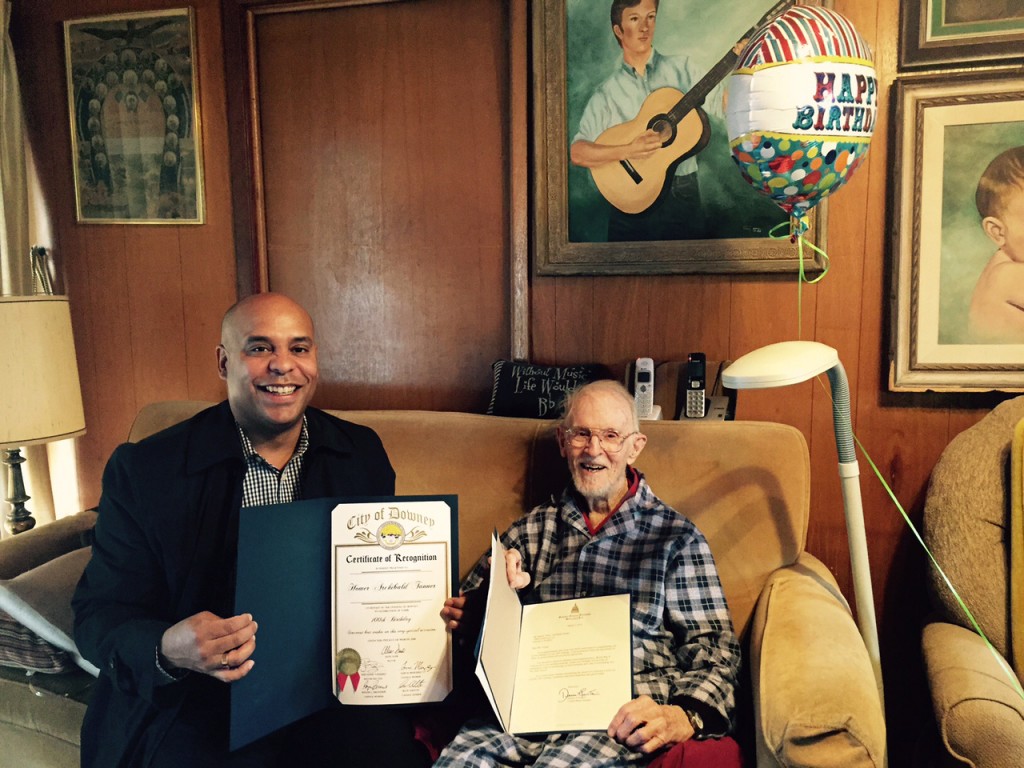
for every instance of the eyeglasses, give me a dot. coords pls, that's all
(610, 439)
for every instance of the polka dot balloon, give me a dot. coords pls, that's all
(802, 106)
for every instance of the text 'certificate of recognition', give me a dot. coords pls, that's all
(392, 570)
(554, 667)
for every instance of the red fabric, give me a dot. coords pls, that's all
(634, 485)
(711, 753)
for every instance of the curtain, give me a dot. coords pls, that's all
(49, 470)
(15, 265)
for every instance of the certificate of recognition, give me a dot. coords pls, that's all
(554, 667)
(392, 568)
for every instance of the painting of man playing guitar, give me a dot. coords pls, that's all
(648, 150)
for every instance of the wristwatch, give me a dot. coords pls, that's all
(696, 721)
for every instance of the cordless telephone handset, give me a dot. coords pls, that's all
(696, 371)
(643, 387)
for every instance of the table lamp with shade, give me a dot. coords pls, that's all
(42, 400)
(793, 362)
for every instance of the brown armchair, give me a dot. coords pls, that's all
(972, 524)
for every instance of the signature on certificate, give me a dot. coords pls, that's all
(578, 693)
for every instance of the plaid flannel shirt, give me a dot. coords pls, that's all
(684, 646)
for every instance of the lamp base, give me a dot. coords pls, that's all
(19, 519)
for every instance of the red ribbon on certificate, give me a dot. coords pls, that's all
(342, 678)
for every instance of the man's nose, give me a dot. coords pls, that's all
(281, 362)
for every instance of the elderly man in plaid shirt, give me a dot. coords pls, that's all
(609, 534)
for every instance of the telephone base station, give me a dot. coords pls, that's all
(717, 408)
(655, 414)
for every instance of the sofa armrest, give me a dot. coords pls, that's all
(980, 716)
(42, 544)
(815, 698)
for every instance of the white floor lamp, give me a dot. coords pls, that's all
(793, 362)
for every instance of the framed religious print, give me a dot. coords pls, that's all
(952, 32)
(135, 125)
(958, 257)
(683, 208)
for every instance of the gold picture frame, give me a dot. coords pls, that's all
(958, 32)
(135, 127)
(947, 131)
(559, 251)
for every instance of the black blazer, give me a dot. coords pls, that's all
(164, 549)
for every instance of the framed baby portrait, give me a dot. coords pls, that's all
(134, 118)
(958, 266)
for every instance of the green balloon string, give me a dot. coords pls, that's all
(1002, 664)
(794, 232)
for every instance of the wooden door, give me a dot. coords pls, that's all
(380, 180)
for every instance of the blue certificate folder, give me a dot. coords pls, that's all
(284, 580)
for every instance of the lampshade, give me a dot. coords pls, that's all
(779, 365)
(42, 398)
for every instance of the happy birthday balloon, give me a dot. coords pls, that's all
(803, 103)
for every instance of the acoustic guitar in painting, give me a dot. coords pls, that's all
(633, 186)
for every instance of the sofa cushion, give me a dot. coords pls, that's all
(40, 600)
(536, 391)
(749, 502)
(41, 718)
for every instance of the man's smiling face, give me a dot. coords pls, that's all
(600, 475)
(268, 358)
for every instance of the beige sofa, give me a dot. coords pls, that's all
(746, 485)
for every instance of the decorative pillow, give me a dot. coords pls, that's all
(21, 647)
(536, 391)
(40, 601)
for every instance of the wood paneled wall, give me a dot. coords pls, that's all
(147, 302)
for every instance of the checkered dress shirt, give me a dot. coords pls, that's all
(684, 646)
(266, 484)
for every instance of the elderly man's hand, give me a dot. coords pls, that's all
(517, 577)
(211, 645)
(645, 726)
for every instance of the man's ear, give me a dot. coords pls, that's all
(639, 441)
(995, 229)
(222, 361)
